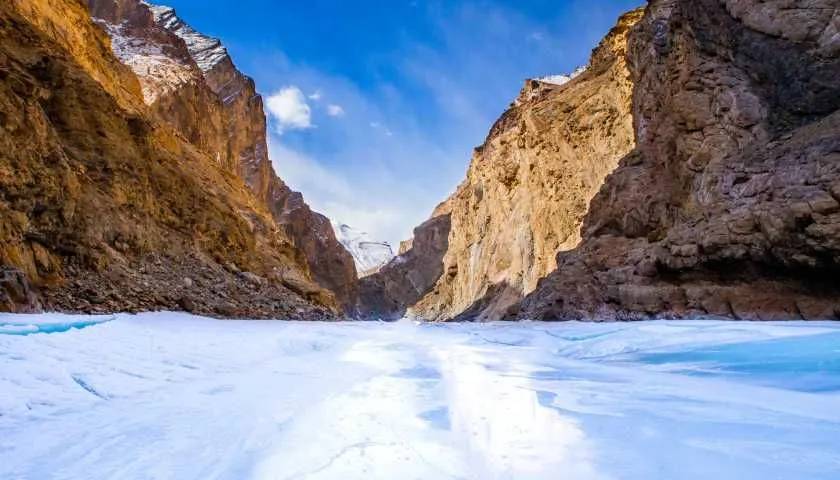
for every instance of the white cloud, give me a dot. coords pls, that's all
(289, 109)
(354, 172)
(335, 110)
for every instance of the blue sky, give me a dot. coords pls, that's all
(375, 106)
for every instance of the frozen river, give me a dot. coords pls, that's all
(172, 396)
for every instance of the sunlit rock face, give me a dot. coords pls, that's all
(190, 81)
(728, 206)
(529, 185)
(691, 169)
(104, 207)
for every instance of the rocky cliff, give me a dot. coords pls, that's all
(190, 82)
(527, 188)
(693, 169)
(402, 282)
(105, 207)
(728, 206)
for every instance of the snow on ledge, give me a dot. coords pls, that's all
(563, 79)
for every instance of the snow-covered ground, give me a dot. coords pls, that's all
(172, 396)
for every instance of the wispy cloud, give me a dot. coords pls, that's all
(306, 174)
(334, 110)
(380, 212)
(289, 110)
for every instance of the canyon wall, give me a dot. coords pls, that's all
(728, 206)
(402, 282)
(106, 207)
(189, 80)
(692, 170)
(526, 192)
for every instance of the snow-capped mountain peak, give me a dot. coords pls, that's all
(369, 255)
(206, 51)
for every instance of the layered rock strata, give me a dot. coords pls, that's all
(725, 202)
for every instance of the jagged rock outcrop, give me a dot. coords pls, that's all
(331, 264)
(16, 294)
(103, 207)
(529, 185)
(728, 206)
(190, 81)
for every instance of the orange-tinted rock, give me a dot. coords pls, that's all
(103, 207)
(190, 81)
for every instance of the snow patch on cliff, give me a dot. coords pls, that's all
(368, 254)
(206, 51)
(563, 79)
(158, 72)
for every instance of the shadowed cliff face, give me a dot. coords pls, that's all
(103, 208)
(389, 292)
(528, 188)
(190, 82)
(729, 204)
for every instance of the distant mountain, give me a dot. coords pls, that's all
(369, 255)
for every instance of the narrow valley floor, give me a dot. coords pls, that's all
(172, 396)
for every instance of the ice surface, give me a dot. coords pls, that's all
(173, 396)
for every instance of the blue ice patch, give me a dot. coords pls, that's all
(808, 363)
(437, 418)
(420, 372)
(20, 327)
